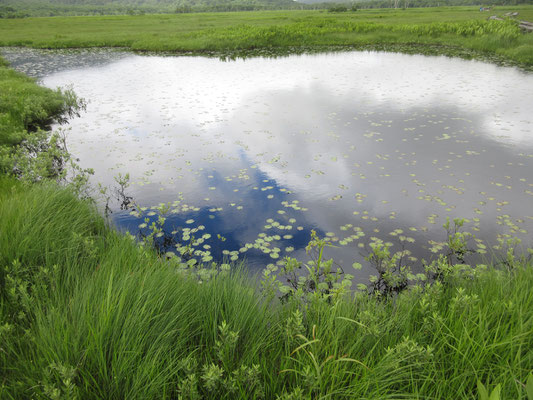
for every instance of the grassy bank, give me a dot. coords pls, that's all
(460, 31)
(26, 107)
(27, 150)
(87, 313)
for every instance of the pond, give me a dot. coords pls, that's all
(251, 155)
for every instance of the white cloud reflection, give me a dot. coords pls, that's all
(389, 128)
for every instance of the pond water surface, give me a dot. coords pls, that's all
(256, 153)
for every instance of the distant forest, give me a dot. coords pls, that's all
(30, 8)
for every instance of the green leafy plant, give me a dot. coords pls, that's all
(484, 393)
(319, 279)
(529, 386)
(393, 273)
(224, 378)
(451, 253)
(60, 383)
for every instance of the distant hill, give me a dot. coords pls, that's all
(25, 8)
(162, 4)
(19, 8)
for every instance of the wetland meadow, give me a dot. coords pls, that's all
(296, 205)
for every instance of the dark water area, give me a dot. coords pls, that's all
(250, 155)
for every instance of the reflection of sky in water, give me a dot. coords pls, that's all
(331, 142)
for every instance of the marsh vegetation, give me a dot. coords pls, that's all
(459, 31)
(330, 234)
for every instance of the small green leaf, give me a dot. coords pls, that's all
(529, 386)
(284, 289)
(357, 265)
(482, 391)
(495, 395)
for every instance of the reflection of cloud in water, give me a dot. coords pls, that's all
(394, 167)
(204, 90)
(376, 140)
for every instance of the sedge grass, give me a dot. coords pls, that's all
(122, 323)
(460, 31)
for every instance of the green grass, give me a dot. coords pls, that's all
(86, 312)
(454, 30)
(25, 106)
(27, 150)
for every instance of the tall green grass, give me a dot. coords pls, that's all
(25, 106)
(87, 313)
(27, 149)
(455, 30)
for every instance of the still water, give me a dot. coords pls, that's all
(256, 153)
